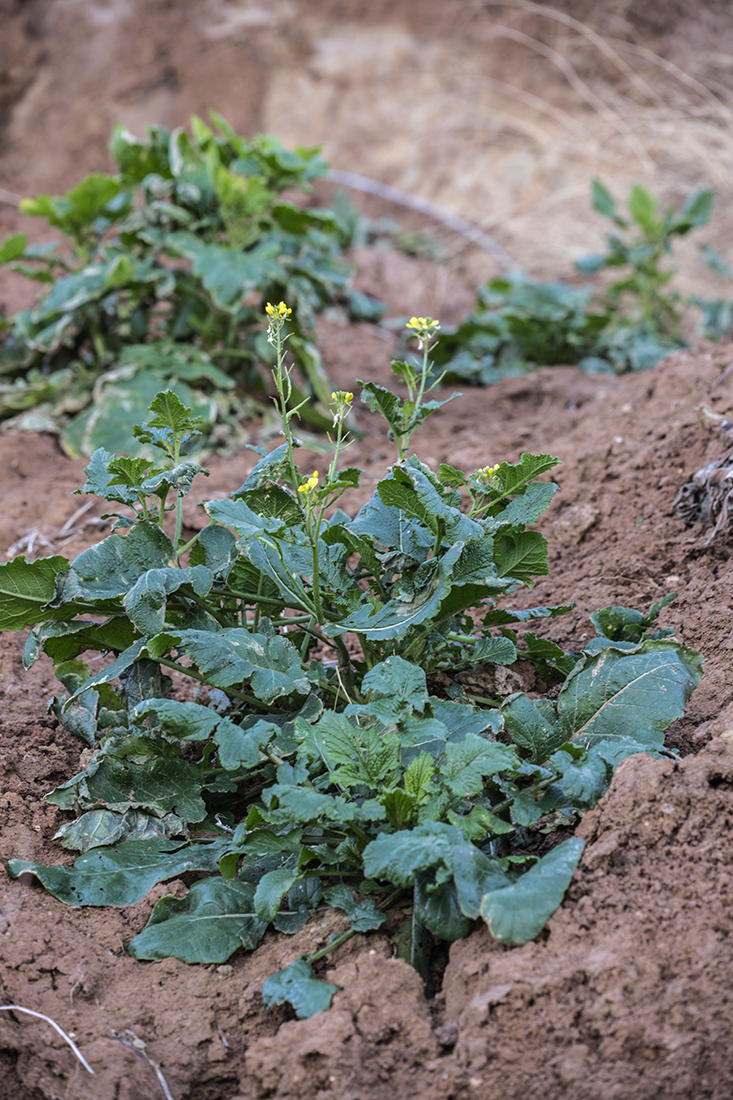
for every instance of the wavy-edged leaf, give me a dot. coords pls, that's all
(518, 913)
(26, 587)
(628, 694)
(121, 875)
(298, 985)
(215, 918)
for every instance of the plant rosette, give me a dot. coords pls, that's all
(315, 767)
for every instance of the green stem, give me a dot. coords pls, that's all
(251, 700)
(350, 931)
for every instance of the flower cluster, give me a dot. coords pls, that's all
(341, 400)
(277, 316)
(310, 484)
(423, 329)
(487, 472)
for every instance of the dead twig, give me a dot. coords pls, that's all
(60, 1030)
(137, 1045)
(422, 206)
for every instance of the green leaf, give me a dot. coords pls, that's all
(227, 274)
(475, 874)
(399, 681)
(398, 857)
(697, 210)
(363, 915)
(188, 721)
(100, 828)
(215, 918)
(521, 554)
(226, 657)
(643, 208)
(636, 695)
(500, 651)
(395, 618)
(160, 785)
(13, 248)
(468, 762)
(518, 913)
(26, 587)
(604, 203)
(437, 908)
(297, 985)
(170, 414)
(121, 875)
(271, 889)
(409, 490)
(527, 507)
(146, 601)
(532, 724)
(109, 570)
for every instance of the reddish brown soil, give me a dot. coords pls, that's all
(626, 995)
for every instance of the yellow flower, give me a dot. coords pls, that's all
(310, 483)
(487, 472)
(278, 312)
(422, 328)
(342, 395)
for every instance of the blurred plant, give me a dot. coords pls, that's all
(520, 324)
(168, 267)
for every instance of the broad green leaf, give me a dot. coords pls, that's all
(146, 601)
(298, 985)
(697, 210)
(108, 570)
(399, 681)
(227, 274)
(532, 724)
(635, 695)
(527, 507)
(100, 828)
(238, 515)
(500, 651)
(475, 875)
(521, 554)
(189, 721)
(409, 490)
(121, 875)
(518, 913)
(268, 470)
(515, 477)
(26, 587)
(391, 528)
(395, 618)
(160, 785)
(226, 657)
(437, 908)
(604, 203)
(398, 857)
(215, 918)
(241, 747)
(271, 889)
(468, 762)
(461, 719)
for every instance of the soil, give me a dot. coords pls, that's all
(626, 995)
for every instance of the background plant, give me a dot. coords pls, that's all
(163, 280)
(312, 762)
(628, 324)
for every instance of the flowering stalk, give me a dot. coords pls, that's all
(423, 329)
(277, 317)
